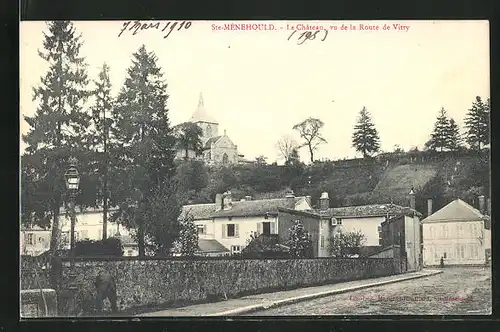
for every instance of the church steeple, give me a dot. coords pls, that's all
(201, 115)
(200, 103)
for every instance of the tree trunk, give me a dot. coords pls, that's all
(311, 152)
(105, 182)
(140, 240)
(186, 156)
(55, 230)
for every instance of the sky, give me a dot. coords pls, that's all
(259, 83)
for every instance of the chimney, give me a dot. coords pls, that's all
(481, 204)
(218, 202)
(412, 198)
(309, 200)
(324, 201)
(488, 206)
(248, 198)
(290, 200)
(227, 201)
(429, 207)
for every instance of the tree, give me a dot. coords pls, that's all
(365, 138)
(192, 177)
(101, 124)
(299, 243)
(454, 141)
(309, 131)
(287, 146)
(477, 124)
(188, 137)
(144, 150)
(58, 129)
(260, 160)
(160, 218)
(440, 136)
(187, 244)
(346, 244)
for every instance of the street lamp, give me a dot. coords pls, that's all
(72, 183)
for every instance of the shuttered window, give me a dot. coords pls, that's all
(273, 228)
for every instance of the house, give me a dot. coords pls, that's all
(89, 225)
(216, 148)
(34, 240)
(323, 222)
(232, 223)
(403, 231)
(459, 233)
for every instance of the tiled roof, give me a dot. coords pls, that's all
(373, 210)
(255, 207)
(211, 246)
(211, 140)
(199, 211)
(457, 210)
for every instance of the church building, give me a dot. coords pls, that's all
(217, 149)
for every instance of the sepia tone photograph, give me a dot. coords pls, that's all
(254, 168)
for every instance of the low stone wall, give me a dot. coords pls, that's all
(38, 303)
(159, 282)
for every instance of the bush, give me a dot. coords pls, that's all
(108, 247)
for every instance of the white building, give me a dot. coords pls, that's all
(231, 223)
(89, 226)
(458, 233)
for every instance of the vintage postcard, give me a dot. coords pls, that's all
(254, 168)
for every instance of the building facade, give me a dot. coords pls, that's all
(458, 233)
(89, 226)
(231, 223)
(34, 241)
(324, 222)
(404, 231)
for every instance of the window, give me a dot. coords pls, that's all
(444, 255)
(40, 239)
(201, 230)
(266, 228)
(474, 251)
(209, 131)
(460, 231)
(235, 249)
(225, 158)
(29, 238)
(445, 231)
(130, 252)
(231, 230)
(462, 251)
(322, 242)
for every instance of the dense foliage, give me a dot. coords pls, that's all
(108, 247)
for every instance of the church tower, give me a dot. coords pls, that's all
(208, 124)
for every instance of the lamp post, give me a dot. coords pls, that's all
(72, 183)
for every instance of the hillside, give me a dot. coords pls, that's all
(389, 177)
(398, 180)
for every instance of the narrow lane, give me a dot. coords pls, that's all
(457, 291)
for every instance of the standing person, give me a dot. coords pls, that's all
(441, 264)
(106, 288)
